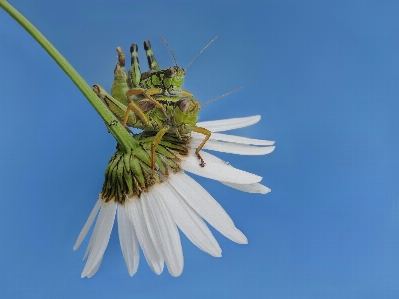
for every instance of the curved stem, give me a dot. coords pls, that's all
(121, 135)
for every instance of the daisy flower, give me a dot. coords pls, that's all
(149, 218)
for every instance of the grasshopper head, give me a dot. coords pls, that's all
(186, 114)
(173, 79)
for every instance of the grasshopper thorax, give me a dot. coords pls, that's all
(170, 80)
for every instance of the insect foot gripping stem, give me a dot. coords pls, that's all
(117, 107)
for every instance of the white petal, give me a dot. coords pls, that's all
(250, 188)
(153, 256)
(206, 206)
(95, 269)
(216, 170)
(163, 230)
(89, 246)
(232, 138)
(94, 233)
(100, 236)
(128, 241)
(234, 148)
(229, 124)
(190, 223)
(87, 225)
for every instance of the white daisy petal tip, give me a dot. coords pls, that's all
(244, 239)
(152, 255)
(249, 188)
(271, 149)
(100, 238)
(128, 241)
(267, 190)
(87, 225)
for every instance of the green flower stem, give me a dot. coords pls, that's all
(121, 135)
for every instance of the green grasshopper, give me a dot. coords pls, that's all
(154, 100)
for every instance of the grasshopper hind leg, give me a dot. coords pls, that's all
(135, 78)
(134, 73)
(152, 62)
(207, 134)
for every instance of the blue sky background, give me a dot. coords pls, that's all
(324, 76)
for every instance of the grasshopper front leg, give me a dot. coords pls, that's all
(147, 93)
(116, 106)
(136, 110)
(154, 144)
(207, 134)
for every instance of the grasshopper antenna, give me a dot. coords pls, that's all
(173, 55)
(222, 96)
(201, 52)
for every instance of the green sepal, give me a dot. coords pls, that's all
(144, 155)
(172, 164)
(161, 150)
(150, 176)
(171, 145)
(136, 169)
(119, 173)
(126, 162)
(160, 165)
(129, 180)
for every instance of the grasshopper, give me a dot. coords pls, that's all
(154, 100)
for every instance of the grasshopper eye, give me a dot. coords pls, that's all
(170, 72)
(184, 105)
